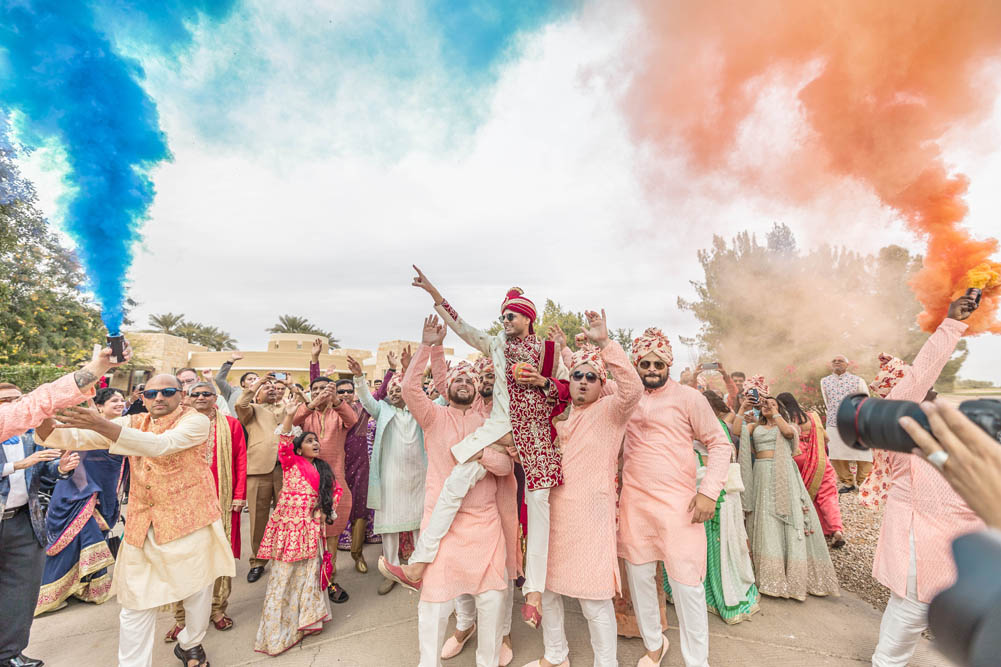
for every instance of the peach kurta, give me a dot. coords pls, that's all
(33, 408)
(582, 553)
(472, 557)
(658, 480)
(331, 427)
(919, 497)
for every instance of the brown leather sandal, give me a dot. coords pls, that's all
(193, 653)
(223, 623)
(171, 635)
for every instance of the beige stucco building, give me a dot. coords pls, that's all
(286, 353)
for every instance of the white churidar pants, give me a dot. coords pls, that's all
(391, 546)
(537, 541)
(460, 480)
(465, 611)
(137, 629)
(903, 622)
(432, 621)
(689, 604)
(600, 615)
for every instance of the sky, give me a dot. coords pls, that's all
(319, 149)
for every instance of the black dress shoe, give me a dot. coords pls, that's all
(21, 660)
(255, 573)
(846, 489)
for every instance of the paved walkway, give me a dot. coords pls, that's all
(372, 630)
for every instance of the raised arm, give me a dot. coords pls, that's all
(244, 409)
(629, 386)
(225, 388)
(929, 362)
(43, 402)
(473, 336)
(413, 389)
(370, 403)
(380, 393)
(439, 369)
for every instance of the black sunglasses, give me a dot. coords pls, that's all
(580, 375)
(167, 393)
(659, 365)
(345, 391)
(507, 316)
(201, 394)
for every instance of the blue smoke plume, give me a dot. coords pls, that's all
(60, 70)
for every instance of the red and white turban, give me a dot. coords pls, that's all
(590, 355)
(653, 340)
(483, 365)
(458, 370)
(516, 301)
(891, 371)
(396, 380)
(757, 382)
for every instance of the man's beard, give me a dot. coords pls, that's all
(487, 393)
(655, 382)
(455, 400)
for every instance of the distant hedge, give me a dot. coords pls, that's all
(29, 376)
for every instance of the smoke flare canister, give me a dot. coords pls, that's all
(117, 345)
(975, 293)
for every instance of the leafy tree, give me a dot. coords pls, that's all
(296, 324)
(46, 316)
(774, 310)
(166, 323)
(623, 337)
(195, 332)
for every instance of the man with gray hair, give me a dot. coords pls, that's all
(227, 443)
(835, 388)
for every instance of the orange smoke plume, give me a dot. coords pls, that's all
(878, 84)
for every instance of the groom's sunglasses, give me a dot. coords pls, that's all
(167, 393)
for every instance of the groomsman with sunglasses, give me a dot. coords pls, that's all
(590, 438)
(660, 511)
(175, 545)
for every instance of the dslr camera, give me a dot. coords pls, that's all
(872, 423)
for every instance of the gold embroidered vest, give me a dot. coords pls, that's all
(173, 493)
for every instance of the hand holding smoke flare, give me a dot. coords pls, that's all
(877, 86)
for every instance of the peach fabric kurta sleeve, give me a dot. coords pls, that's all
(919, 496)
(36, 406)
(658, 481)
(472, 557)
(582, 539)
(439, 369)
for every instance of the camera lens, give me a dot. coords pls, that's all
(866, 423)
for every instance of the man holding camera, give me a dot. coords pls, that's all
(923, 513)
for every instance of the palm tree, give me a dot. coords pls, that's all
(301, 325)
(167, 323)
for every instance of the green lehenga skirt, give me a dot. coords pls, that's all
(715, 599)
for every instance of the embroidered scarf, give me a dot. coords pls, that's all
(222, 437)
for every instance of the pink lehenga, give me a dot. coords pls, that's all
(295, 604)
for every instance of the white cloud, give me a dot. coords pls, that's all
(312, 189)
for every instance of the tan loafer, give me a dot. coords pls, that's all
(453, 646)
(506, 655)
(647, 662)
(538, 663)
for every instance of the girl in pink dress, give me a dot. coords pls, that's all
(295, 603)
